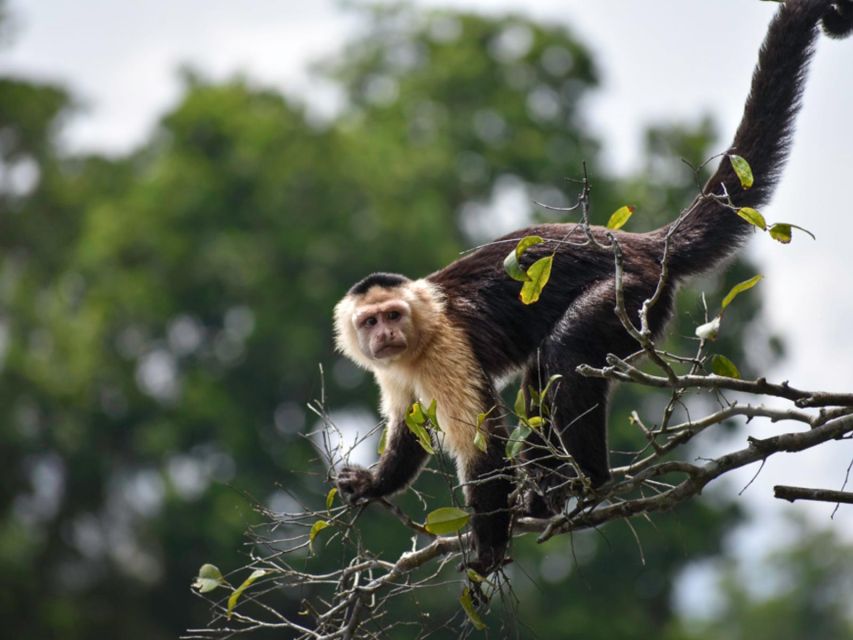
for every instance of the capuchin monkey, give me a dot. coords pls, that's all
(449, 336)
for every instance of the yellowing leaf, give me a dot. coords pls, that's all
(753, 217)
(383, 442)
(526, 242)
(481, 417)
(738, 289)
(480, 441)
(781, 232)
(209, 577)
(722, 366)
(446, 520)
(330, 497)
(619, 217)
(512, 263)
(539, 273)
(742, 170)
(473, 576)
(316, 528)
(467, 603)
(234, 597)
(535, 422)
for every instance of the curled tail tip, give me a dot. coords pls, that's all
(835, 17)
(837, 22)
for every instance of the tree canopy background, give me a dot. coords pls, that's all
(162, 316)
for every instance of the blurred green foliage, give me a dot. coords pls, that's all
(802, 591)
(162, 316)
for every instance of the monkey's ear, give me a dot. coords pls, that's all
(838, 20)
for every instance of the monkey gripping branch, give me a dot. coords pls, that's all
(572, 308)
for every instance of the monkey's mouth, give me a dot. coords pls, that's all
(389, 350)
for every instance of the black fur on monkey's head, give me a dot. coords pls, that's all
(379, 279)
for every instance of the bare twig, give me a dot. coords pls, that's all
(791, 494)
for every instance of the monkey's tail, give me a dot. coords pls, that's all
(710, 230)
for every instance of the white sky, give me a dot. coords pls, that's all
(662, 60)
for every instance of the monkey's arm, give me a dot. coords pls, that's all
(398, 466)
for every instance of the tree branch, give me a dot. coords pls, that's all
(791, 494)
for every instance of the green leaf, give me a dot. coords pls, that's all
(738, 289)
(446, 520)
(415, 420)
(316, 528)
(554, 378)
(543, 396)
(330, 497)
(516, 440)
(539, 273)
(234, 597)
(619, 217)
(520, 406)
(480, 437)
(513, 268)
(480, 441)
(742, 170)
(417, 412)
(383, 441)
(467, 603)
(512, 263)
(781, 232)
(722, 366)
(209, 577)
(535, 398)
(753, 217)
(431, 414)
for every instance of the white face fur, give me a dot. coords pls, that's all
(376, 328)
(386, 324)
(384, 329)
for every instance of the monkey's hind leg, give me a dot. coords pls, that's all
(575, 405)
(577, 413)
(487, 484)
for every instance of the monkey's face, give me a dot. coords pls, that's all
(384, 329)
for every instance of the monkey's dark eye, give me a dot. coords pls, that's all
(370, 321)
(393, 315)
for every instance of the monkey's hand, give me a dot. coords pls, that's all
(356, 485)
